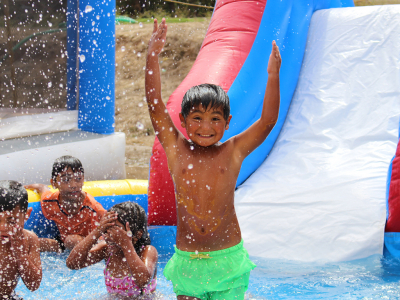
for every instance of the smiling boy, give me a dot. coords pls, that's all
(75, 212)
(209, 261)
(19, 248)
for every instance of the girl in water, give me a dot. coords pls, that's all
(131, 262)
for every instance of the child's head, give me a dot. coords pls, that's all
(67, 176)
(135, 215)
(205, 114)
(63, 163)
(13, 207)
(208, 96)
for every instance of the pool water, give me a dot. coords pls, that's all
(374, 277)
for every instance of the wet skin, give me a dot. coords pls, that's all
(19, 252)
(204, 170)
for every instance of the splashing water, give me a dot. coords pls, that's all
(88, 9)
(139, 126)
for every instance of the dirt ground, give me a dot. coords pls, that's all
(182, 46)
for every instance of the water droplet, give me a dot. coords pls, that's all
(108, 97)
(190, 166)
(150, 72)
(123, 48)
(49, 84)
(140, 104)
(88, 9)
(191, 147)
(139, 54)
(139, 126)
(82, 58)
(141, 25)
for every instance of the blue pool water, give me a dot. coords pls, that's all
(374, 277)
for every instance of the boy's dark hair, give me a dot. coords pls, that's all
(205, 94)
(12, 194)
(65, 162)
(135, 215)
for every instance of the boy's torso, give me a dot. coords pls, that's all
(81, 223)
(205, 180)
(9, 273)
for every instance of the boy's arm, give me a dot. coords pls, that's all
(83, 255)
(250, 139)
(160, 118)
(26, 251)
(38, 187)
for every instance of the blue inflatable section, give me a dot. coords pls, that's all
(287, 23)
(96, 65)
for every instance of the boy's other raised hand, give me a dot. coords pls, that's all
(158, 37)
(274, 63)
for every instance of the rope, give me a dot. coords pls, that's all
(189, 4)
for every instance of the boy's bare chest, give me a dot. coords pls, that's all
(9, 274)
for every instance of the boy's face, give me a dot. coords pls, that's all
(12, 222)
(69, 184)
(205, 126)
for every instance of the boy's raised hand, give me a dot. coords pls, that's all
(274, 63)
(158, 37)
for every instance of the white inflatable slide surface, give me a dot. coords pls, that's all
(320, 195)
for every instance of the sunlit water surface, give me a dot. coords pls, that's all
(374, 277)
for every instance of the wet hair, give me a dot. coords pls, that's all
(12, 194)
(135, 215)
(206, 95)
(65, 162)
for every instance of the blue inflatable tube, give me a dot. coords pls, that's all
(287, 23)
(96, 66)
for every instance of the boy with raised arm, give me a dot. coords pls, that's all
(209, 261)
(19, 248)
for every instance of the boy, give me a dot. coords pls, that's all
(19, 248)
(75, 212)
(209, 261)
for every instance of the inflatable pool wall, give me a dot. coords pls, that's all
(392, 229)
(235, 55)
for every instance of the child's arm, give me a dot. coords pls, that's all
(38, 187)
(25, 245)
(143, 267)
(253, 137)
(160, 118)
(83, 255)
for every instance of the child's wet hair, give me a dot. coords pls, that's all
(206, 95)
(63, 163)
(12, 194)
(135, 215)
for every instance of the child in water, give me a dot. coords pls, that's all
(19, 248)
(131, 262)
(75, 212)
(210, 261)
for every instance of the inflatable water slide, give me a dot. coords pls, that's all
(316, 189)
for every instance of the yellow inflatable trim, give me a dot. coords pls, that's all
(106, 188)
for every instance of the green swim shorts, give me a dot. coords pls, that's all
(222, 274)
